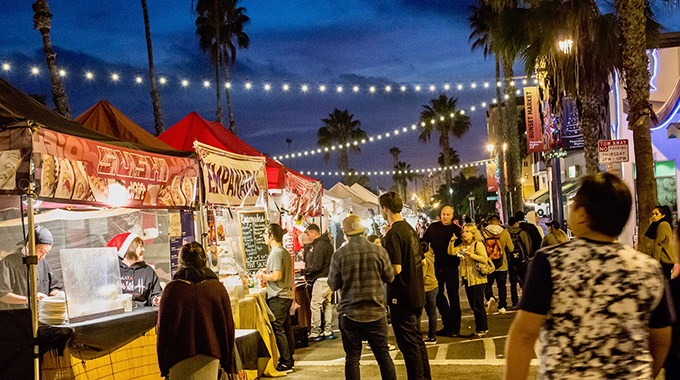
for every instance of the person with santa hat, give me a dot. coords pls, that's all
(136, 276)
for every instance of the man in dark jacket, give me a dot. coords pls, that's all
(317, 264)
(532, 231)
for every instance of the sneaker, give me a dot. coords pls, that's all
(328, 335)
(491, 306)
(445, 332)
(284, 368)
(501, 310)
(481, 334)
(313, 335)
(432, 340)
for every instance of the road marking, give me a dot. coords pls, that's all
(489, 349)
(341, 362)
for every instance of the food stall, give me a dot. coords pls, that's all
(96, 187)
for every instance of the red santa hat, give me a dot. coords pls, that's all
(122, 242)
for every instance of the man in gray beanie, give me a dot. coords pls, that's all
(14, 273)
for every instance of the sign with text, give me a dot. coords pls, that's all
(253, 228)
(231, 179)
(610, 151)
(572, 138)
(491, 177)
(532, 116)
(87, 171)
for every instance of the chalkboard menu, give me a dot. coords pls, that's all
(253, 225)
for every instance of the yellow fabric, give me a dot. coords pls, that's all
(263, 325)
(429, 278)
(468, 270)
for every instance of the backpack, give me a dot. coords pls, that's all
(518, 255)
(492, 243)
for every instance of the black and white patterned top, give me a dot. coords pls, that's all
(599, 299)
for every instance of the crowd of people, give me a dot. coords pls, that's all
(601, 309)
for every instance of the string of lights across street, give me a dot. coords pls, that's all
(393, 172)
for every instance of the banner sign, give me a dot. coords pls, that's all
(90, 172)
(231, 179)
(301, 196)
(15, 152)
(572, 137)
(610, 151)
(533, 120)
(491, 177)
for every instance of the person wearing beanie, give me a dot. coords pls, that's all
(137, 278)
(14, 273)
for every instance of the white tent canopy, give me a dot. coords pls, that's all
(341, 190)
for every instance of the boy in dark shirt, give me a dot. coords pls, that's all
(406, 294)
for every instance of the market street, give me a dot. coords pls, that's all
(450, 358)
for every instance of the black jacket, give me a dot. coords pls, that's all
(141, 281)
(318, 260)
(534, 236)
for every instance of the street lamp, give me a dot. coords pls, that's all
(565, 45)
(490, 148)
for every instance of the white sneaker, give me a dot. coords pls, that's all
(491, 306)
(501, 310)
(313, 335)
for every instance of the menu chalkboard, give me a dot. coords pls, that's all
(253, 225)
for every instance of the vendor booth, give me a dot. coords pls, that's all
(87, 187)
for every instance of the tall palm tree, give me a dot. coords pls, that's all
(402, 174)
(442, 117)
(340, 128)
(209, 15)
(155, 96)
(632, 21)
(454, 158)
(483, 19)
(42, 21)
(233, 37)
(394, 151)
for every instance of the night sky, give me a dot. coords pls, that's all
(352, 42)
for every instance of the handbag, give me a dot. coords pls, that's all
(485, 269)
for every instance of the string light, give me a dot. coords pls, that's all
(227, 85)
(286, 87)
(249, 85)
(402, 88)
(139, 80)
(388, 88)
(432, 88)
(355, 88)
(339, 88)
(447, 87)
(114, 77)
(322, 88)
(6, 66)
(305, 88)
(393, 172)
(184, 82)
(206, 84)
(35, 71)
(267, 87)
(89, 75)
(62, 73)
(163, 80)
(371, 89)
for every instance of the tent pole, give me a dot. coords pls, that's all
(31, 261)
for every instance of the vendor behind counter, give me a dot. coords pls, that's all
(137, 278)
(14, 274)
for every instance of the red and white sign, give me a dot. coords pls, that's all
(611, 151)
(532, 116)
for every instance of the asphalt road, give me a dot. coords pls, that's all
(450, 358)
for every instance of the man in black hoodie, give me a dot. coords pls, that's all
(317, 264)
(532, 231)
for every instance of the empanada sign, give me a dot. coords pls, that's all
(76, 169)
(231, 179)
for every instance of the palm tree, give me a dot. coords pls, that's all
(394, 151)
(632, 22)
(402, 174)
(483, 20)
(209, 40)
(454, 159)
(42, 21)
(233, 37)
(443, 117)
(340, 128)
(155, 96)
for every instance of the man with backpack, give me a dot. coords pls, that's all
(498, 244)
(532, 232)
(517, 258)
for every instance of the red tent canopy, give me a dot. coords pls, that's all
(193, 127)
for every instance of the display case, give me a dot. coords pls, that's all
(92, 283)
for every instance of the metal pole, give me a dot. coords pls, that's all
(558, 209)
(31, 261)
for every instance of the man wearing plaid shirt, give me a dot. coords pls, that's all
(358, 271)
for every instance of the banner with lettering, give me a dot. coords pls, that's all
(15, 153)
(231, 179)
(533, 120)
(89, 172)
(302, 196)
(491, 177)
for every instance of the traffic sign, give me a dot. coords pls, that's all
(492, 198)
(610, 151)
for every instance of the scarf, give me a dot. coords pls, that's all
(651, 231)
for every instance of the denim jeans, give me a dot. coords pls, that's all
(431, 311)
(475, 296)
(353, 333)
(321, 299)
(448, 308)
(501, 277)
(285, 340)
(516, 273)
(405, 322)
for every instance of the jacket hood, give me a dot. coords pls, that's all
(494, 229)
(513, 230)
(531, 217)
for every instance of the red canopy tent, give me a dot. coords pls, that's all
(182, 135)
